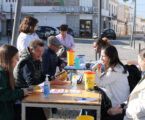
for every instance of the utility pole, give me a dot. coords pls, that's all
(11, 17)
(16, 22)
(99, 23)
(99, 17)
(132, 41)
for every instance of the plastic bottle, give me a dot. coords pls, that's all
(77, 62)
(46, 86)
(74, 82)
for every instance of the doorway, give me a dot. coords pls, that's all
(85, 28)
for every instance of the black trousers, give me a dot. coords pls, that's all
(32, 113)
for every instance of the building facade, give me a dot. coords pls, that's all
(80, 15)
(113, 6)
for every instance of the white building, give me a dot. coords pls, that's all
(80, 15)
(113, 6)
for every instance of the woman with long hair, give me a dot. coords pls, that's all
(27, 30)
(114, 79)
(8, 93)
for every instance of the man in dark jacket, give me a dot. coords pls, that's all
(28, 70)
(50, 60)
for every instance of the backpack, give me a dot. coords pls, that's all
(134, 76)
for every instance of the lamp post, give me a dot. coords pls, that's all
(11, 17)
(132, 42)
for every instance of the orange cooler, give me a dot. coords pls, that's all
(89, 80)
(70, 57)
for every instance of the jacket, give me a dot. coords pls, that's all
(27, 71)
(50, 61)
(115, 84)
(136, 103)
(7, 97)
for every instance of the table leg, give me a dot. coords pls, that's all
(23, 114)
(71, 71)
(98, 113)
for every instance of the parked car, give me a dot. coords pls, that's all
(45, 31)
(109, 33)
(69, 31)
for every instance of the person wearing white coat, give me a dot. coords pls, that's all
(114, 79)
(135, 108)
(27, 30)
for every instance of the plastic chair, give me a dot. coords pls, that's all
(85, 117)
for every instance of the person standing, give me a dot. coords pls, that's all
(8, 93)
(27, 30)
(65, 39)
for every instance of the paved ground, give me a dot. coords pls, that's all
(84, 46)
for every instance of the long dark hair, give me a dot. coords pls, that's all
(7, 52)
(112, 54)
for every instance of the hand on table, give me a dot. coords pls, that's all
(26, 92)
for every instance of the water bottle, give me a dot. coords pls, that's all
(77, 62)
(46, 86)
(74, 82)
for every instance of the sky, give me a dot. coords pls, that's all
(140, 4)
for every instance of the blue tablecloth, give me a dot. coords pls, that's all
(75, 68)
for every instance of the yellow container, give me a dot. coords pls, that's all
(89, 80)
(62, 75)
(85, 117)
(70, 57)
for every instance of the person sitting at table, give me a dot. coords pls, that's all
(134, 109)
(8, 93)
(28, 70)
(28, 73)
(98, 44)
(50, 60)
(114, 79)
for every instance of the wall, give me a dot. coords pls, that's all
(73, 22)
(86, 3)
(54, 19)
(71, 2)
